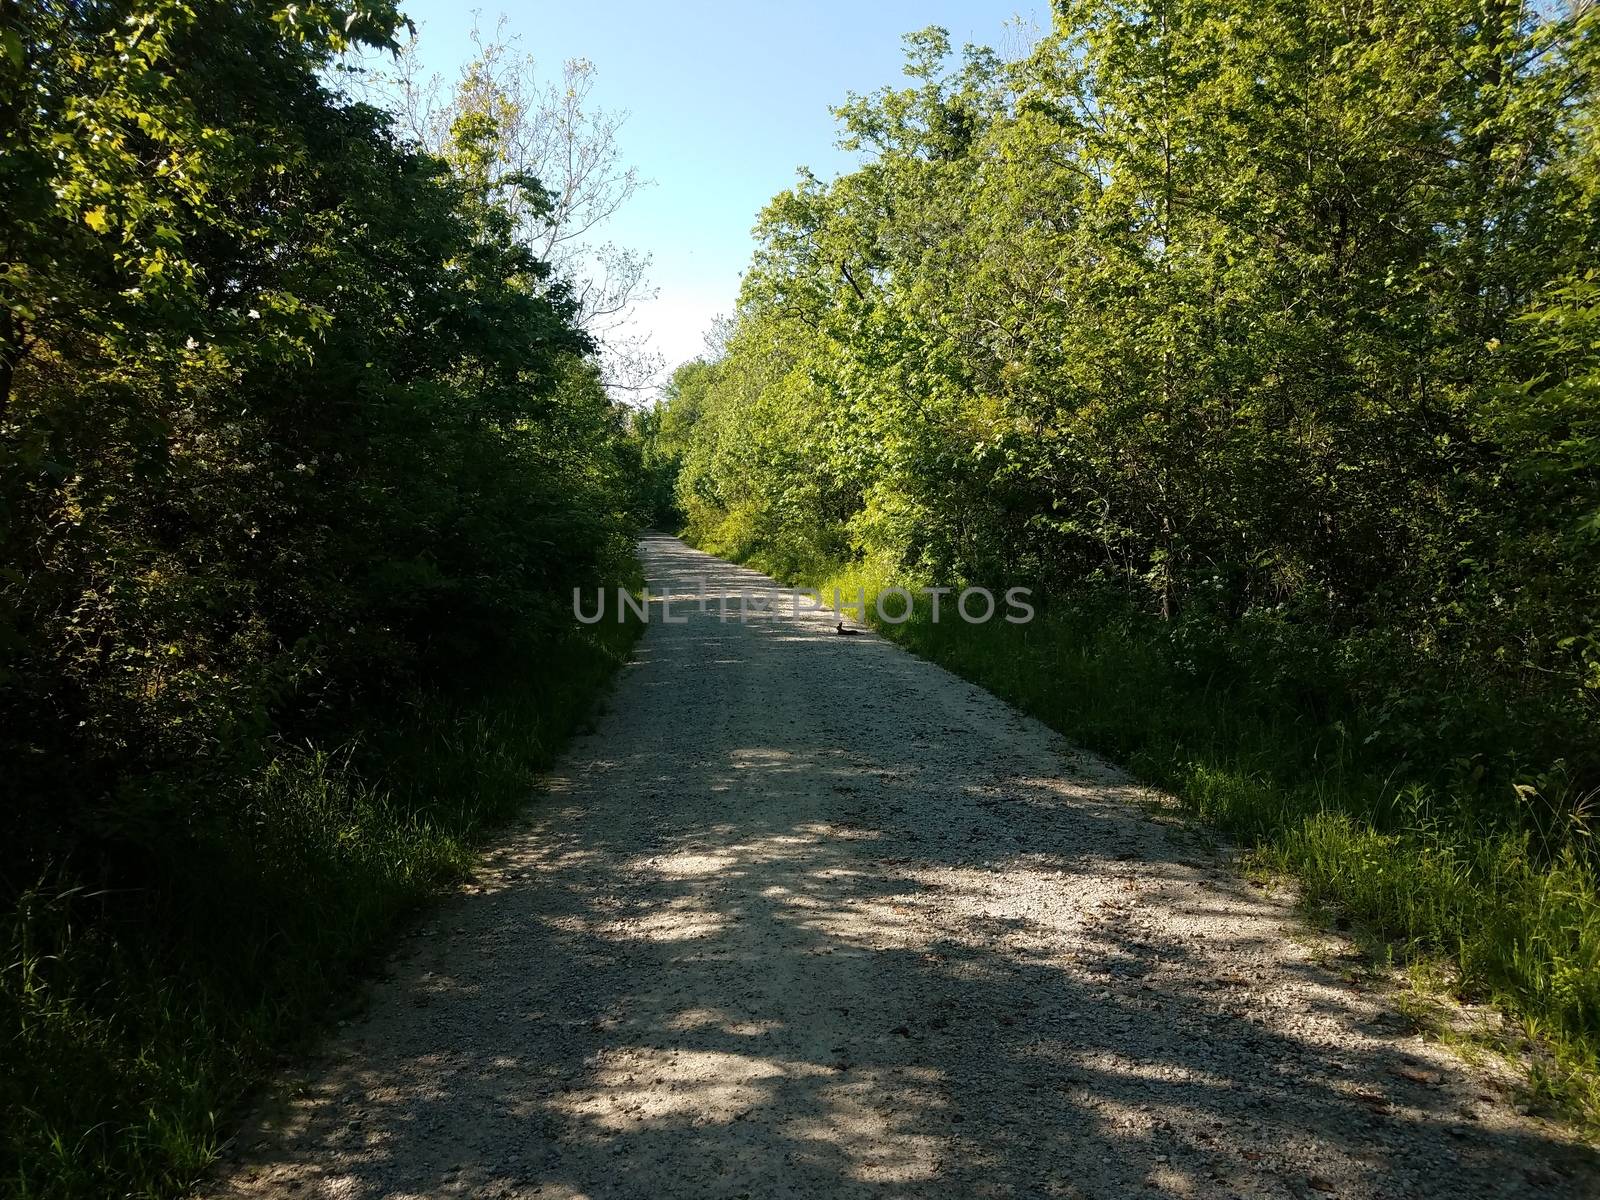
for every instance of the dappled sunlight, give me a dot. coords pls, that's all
(859, 950)
(871, 1121)
(699, 1087)
(702, 1018)
(685, 919)
(1111, 1064)
(690, 864)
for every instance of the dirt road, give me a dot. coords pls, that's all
(807, 916)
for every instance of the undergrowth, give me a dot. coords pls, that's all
(141, 1018)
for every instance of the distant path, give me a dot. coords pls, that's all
(807, 916)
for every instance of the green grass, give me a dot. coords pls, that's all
(1489, 874)
(140, 1021)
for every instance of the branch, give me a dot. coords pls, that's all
(851, 279)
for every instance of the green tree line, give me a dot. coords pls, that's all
(1260, 338)
(301, 452)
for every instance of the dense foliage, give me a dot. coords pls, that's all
(299, 445)
(1261, 332)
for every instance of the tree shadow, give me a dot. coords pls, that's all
(808, 916)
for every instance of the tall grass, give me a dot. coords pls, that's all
(139, 1020)
(1489, 870)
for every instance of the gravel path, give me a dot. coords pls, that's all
(807, 916)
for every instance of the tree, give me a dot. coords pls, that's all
(1259, 313)
(549, 130)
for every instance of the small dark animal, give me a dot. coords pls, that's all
(843, 632)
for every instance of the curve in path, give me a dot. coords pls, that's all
(809, 916)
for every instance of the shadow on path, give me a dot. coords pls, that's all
(808, 916)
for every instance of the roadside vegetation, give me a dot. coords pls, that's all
(1261, 342)
(303, 446)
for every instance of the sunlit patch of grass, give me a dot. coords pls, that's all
(139, 1021)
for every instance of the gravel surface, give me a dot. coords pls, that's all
(808, 916)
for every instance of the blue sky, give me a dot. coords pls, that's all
(726, 101)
